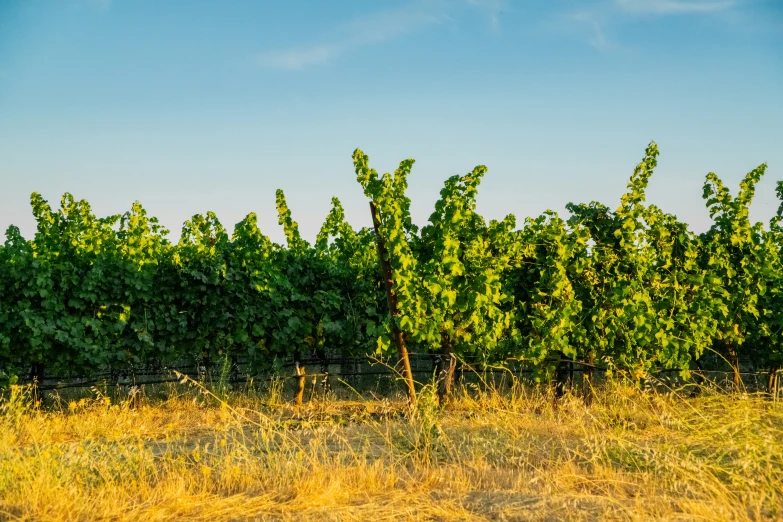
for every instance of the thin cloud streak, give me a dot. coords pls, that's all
(608, 14)
(597, 36)
(373, 29)
(359, 32)
(298, 59)
(100, 5)
(385, 25)
(674, 6)
(494, 8)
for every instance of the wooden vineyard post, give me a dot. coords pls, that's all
(391, 299)
(37, 374)
(300, 381)
(772, 378)
(563, 375)
(324, 369)
(588, 390)
(735, 367)
(447, 363)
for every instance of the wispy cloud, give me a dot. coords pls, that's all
(596, 36)
(596, 21)
(374, 28)
(358, 32)
(493, 8)
(101, 5)
(295, 59)
(674, 6)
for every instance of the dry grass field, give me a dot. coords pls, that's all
(516, 455)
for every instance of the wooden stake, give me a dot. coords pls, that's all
(300, 382)
(447, 362)
(772, 380)
(735, 367)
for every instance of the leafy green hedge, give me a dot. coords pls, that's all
(632, 288)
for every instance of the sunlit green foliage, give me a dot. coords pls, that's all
(631, 289)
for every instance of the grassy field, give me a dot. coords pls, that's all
(516, 455)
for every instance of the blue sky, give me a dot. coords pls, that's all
(196, 106)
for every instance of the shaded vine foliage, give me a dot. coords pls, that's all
(631, 289)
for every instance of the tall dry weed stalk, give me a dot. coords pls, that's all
(514, 454)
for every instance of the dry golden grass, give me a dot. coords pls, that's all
(630, 455)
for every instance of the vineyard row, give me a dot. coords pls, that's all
(628, 288)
